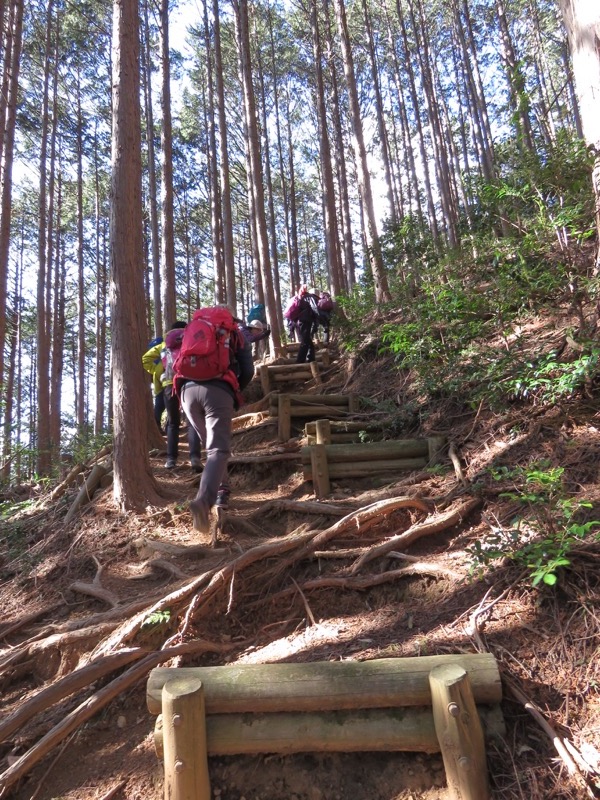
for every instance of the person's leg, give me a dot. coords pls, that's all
(218, 411)
(210, 409)
(195, 446)
(304, 330)
(173, 424)
(159, 407)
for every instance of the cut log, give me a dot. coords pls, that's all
(360, 469)
(319, 399)
(374, 730)
(459, 732)
(184, 738)
(373, 451)
(329, 685)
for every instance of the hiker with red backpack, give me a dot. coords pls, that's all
(159, 360)
(213, 367)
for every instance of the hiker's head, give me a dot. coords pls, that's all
(178, 324)
(256, 323)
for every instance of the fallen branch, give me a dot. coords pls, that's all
(95, 589)
(557, 741)
(87, 490)
(84, 676)
(93, 704)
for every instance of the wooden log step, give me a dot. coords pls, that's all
(282, 369)
(372, 451)
(327, 685)
(320, 399)
(314, 411)
(341, 426)
(373, 730)
(362, 469)
(347, 438)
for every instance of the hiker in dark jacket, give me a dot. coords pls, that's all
(306, 324)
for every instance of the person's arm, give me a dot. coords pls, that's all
(151, 359)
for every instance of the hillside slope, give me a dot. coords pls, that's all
(292, 580)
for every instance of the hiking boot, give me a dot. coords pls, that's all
(223, 498)
(170, 463)
(200, 516)
(196, 463)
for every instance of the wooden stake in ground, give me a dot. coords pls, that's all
(459, 733)
(184, 738)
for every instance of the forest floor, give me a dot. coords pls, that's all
(260, 602)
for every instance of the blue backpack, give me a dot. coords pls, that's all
(257, 312)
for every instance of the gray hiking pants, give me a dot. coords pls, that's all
(210, 410)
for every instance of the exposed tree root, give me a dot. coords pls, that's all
(112, 635)
(93, 704)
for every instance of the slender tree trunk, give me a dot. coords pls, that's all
(348, 276)
(242, 31)
(152, 199)
(58, 324)
(133, 482)
(295, 265)
(330, 214)
(272, 221)
(213, 169)
(43, 340)
(282, 176)
(378, 102)
(169, 302)
(519, 98)
(81, 343)
(12, 55)
(382, 292)
(582, 21)
(226, 213)
(433, 224)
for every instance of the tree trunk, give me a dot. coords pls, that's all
(152, 199)
(519, 98)
(378, 101)
(213, 170)
(42, 340)
(81, 398)
(330, 215)
(133, 483)
(226, 213)
(256, 178)
(582, 21)
(382, 292)
(12, 55)
(169, 302)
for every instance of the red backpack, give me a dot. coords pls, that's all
(208, 347)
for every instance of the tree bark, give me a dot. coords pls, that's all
(133, 483)
(582, 21)
(382, 291)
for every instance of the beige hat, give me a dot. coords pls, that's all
(256, 323)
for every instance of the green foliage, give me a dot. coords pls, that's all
(84, 445)
(548, 380)
(157, 618)
(541, 539)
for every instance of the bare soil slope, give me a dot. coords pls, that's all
(381, 568)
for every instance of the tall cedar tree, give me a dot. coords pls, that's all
(134, 486)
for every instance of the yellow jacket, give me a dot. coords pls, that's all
(152, 363)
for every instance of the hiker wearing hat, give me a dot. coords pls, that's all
(254, 333)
